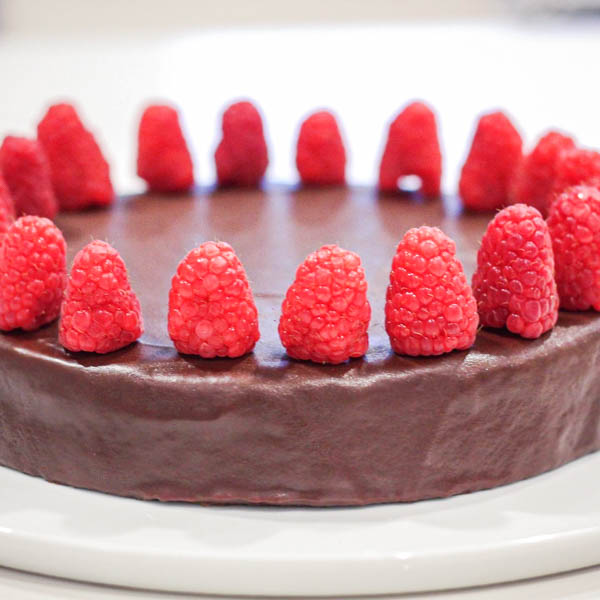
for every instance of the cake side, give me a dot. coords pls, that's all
(152, 425)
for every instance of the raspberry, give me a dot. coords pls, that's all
(574, 224)
(493, 159)
(32, 273)
(80, 174)
(575, 167)
(100, 312)
(211, 308)
(325, 314)
(533, 182)
(7, 207)
(514, 283)
(412, 148)
(241, 157)
(27, 174)
(430, 308)
(320, 154)
(164, 160)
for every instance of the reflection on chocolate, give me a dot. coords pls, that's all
(148, 423)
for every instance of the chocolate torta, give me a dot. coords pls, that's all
(150, 423)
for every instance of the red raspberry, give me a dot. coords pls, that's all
(100, 312)
(575, 167)
(211, 308)
(27, 174)
(325, 314)
(514, 282)
(574, 224)
(320, 154)
(412, 148)
(164, 160)
(7, 207)
(32, 273)
(241, 157)
(533, 182)
(495, 154)
(430, 308)
(80, 174)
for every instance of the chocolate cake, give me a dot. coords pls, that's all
(149, 423)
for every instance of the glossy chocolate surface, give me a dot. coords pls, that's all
(149, 423)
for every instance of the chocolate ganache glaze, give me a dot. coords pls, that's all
(149, 423)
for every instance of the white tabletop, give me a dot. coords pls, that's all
(543, 74)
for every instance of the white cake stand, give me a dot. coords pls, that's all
(545, 525)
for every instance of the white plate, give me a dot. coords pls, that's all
(544, 525)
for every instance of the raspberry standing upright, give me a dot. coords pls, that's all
(211, 307)
(320, 153)
(533, 182)
(514, 282)
(430, 308)
(164, 160)
(26, 171)
(574, 224)
(32, 273)
(495, 155)
(241, 157)
(100, 312)
(325, 314)
(575, 167)
(80, 173)
(412, 148)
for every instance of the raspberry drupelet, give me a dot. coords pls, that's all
(412, 148)
(495, 154)
(100, 312)
(32, 273)
(430, 308)
(241, 157)
(80, 173)
(574, 224)
(320, 153)
(26, 171)
(533, 182)
(514, 282)
(211, 307)
(164, 160)
(325, 314)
